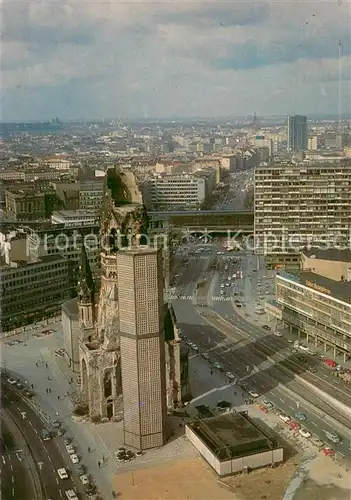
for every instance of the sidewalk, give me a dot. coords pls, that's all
(58, 406)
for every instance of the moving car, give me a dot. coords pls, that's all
(300, 416)
(230, 375)
(278, 334)
(332, 437)
(265, 327)
(268, 405)
(62, 473)
(305, 433)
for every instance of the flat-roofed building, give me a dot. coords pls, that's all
(299, 205)
(233, 442)
(30, 291)
(91, 196)
(71, 218)
(334, 264)
(316, 308)
(175, 191)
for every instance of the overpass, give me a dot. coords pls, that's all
(213, 221)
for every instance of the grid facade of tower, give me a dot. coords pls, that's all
(141, 311)
(301, 205)
(297, 133)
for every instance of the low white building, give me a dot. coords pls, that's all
(180, 191)
(71, 218)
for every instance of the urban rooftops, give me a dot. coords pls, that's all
(338, 289)
(332, 254)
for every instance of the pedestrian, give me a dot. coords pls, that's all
(99, 464)
(211, 372)
(58, 397)
(88, 449)
(32, 386)
(47, 390)
(36, 363)
(103, 458)
(46, 365)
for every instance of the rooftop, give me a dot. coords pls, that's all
(332, 254)
(232, 435)
(338, 289)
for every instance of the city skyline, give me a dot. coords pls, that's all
(174, 60)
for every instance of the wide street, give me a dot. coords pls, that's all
(16, 480)
(235, 343)
(47, 454)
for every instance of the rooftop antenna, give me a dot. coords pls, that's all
(339, 85)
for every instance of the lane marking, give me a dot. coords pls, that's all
(292, 407)
(13, 492)
(12, 479)
(282, 400)
(3, 460)
(19, 409)
(30, 423)
(314, 423)
(57, 481)
(11, 467)
(339, 452)
(60, 493)
(35, 431)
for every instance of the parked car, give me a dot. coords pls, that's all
(253, 394)
(12, 381)
(80, 470)
(284, 418)
(74, 458)
(300, 416)
(328, 452)
(305, 433)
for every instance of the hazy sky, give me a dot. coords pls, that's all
(95, 59)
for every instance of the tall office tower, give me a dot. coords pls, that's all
(297, 133)
(141, 313)
(298, 205)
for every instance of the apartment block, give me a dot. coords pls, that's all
(91, 195)
(141, 317)
(298, 205)
(179, 191)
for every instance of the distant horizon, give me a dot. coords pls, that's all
(314, 116)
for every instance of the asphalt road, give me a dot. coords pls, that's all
(268, 383)
(46, 454)
(323, 377)
(240, 355)
(16, 480)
